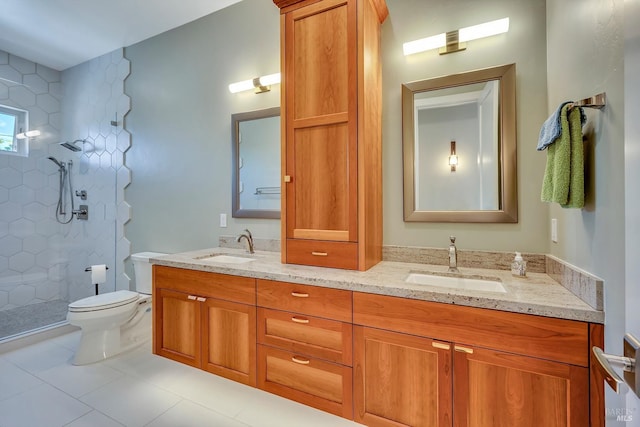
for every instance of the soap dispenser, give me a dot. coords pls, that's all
(519, 266)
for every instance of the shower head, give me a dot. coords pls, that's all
(57, 162)
(72, 145)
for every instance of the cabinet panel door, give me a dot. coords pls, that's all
(401, 380)
(320, 44)
(229, 340)
(323, 174)
(177, 326)
(321, 122)
(496, 389)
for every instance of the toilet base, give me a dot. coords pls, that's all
(98, 345)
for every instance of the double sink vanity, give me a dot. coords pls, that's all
(339, 322)
(479, 344)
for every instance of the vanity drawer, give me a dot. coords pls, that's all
(323, 385)
(204, 284)
(311, 300)
(323, 253)
(325, 339)
(559, 340)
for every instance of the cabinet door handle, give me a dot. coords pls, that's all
(192, 297)
(314, 253)
(299, 295)
(287, 178)
(441, 345)
(201, 299)
(299, 320)
(299, 360)
(463, 349)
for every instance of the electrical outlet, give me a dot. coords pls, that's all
(223, 220)
(554, 230)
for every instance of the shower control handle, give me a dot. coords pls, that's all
(82, 213)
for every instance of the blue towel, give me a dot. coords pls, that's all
(551, 128)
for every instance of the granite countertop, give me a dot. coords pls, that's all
(537, 293)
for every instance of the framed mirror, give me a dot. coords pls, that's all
(459, 147)
(255, 181)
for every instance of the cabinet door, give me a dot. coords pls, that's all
(177, 326)
(497, 389)
(321, 109)
(229, 340)
(401, 380)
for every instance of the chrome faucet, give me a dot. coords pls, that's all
(453, 256)
(247, 235)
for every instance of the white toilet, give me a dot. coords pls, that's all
(114, 322)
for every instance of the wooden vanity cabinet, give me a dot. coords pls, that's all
(305, 344)
(504, 369)
(206, 320)
(331, 140)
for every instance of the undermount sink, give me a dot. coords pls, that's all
(225, 259)
(456, 282)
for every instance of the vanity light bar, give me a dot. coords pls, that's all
(487, 29)
(260, 84)
(455, 37)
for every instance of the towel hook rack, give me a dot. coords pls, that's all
(596, 101)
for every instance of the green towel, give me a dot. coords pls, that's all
(564, 175)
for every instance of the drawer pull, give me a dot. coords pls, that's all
(441, 346)
(299, 295)
(201, 299)
(299, 320)
(296, 359)
(314, 253)
(463, 349)
(192, 297)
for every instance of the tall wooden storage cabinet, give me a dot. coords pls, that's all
(332, 137)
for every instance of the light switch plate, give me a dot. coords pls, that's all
(223, 220)
(554, 230)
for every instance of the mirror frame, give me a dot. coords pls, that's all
(236, 119)
(508, 192)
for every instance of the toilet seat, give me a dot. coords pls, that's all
(103, 301)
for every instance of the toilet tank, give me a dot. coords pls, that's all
(142, 270)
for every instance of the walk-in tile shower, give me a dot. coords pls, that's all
(44, 246)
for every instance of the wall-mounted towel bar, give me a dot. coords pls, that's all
(267, 190)
(596, 101)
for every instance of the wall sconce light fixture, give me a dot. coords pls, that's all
(27, 134)
(455, 41)
(260, 84)
(453, 157)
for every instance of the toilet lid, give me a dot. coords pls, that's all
(103, 301)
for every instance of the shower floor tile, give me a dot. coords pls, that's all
(22, 319)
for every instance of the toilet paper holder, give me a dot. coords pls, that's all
(89, 268)
(96, 285)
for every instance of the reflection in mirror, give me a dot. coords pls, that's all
(459, 146)
(256, 164)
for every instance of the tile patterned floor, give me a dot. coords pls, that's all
(40, 388)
